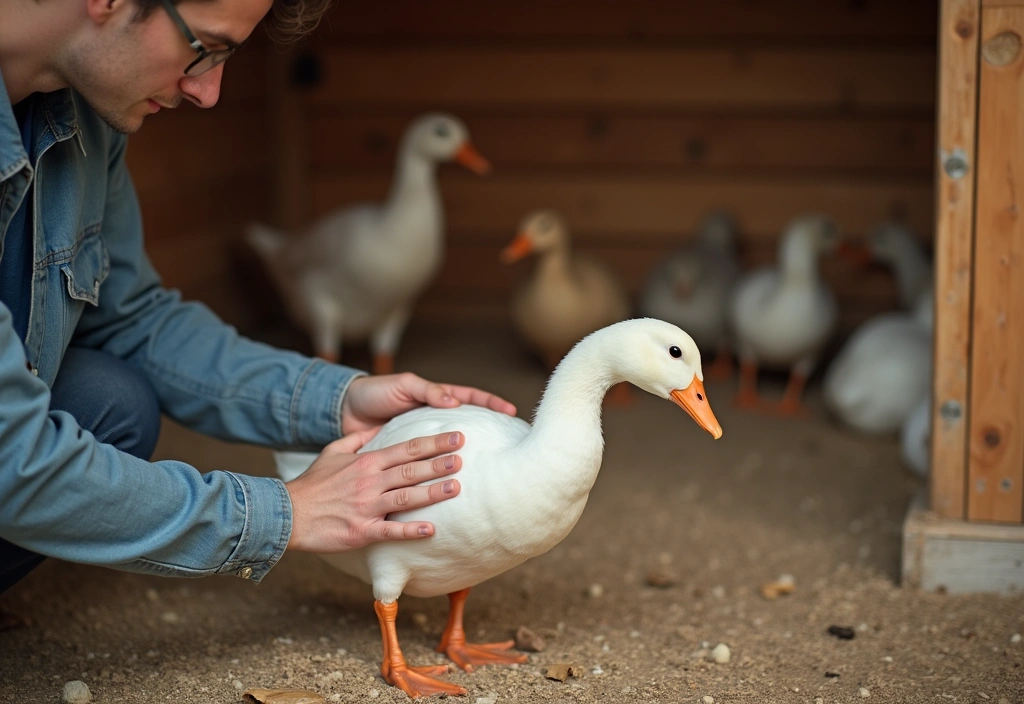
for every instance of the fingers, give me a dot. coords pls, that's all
(413, 473)
(417, 449)
(476, 397)
(407, 499)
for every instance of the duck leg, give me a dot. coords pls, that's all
(386, 338)
(466, 655)
(383, 363)
(414, 681)
(722, 368)
(790, 405)
(747, 395)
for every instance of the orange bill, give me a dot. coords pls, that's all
(469, 157)
(694, 401)
(520, 247)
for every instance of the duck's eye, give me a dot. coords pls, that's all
(675, 351)
(442, 131)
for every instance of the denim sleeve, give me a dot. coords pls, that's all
(65, 495)
(207, 376)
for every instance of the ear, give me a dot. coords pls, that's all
(101, 11)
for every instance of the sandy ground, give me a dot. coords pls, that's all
(773, 497)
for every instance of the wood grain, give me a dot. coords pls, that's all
(995, 490)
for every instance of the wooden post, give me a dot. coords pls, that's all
(995, 490)
(959, 28)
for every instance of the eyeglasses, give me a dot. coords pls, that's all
(207, 59)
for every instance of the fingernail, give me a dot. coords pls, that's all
(448, 487)
(449, 461)
(425, 530)
(447, 399)
(453, 439)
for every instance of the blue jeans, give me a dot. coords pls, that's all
(111, 400)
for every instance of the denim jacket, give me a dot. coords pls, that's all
(62, 493)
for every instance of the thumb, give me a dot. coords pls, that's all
(351, 443)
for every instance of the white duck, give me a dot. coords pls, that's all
(523, 486)
(915, 437)
(883, 370)
(692, 286)
(783, 315)
(569, 295)
(896, 245)
(356, 273)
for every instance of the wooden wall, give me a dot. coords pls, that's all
(632, 118)
(200, 176)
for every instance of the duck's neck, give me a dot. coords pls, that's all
(912, 272)
(798, 261)
(567, 424)
(554, 262)
(413, 185)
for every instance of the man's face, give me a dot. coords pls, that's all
(131, 68)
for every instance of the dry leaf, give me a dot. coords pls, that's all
(530, 641)
(282, 696)
(563, 671)
(773, 590)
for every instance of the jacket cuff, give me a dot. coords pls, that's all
(315, 415)
(267, 529)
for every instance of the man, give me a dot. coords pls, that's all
(92, 348)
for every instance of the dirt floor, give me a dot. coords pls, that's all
(714, 520)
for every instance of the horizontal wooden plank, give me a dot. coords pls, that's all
(194, 148)
(837, 79)
(656, 209)
(221, 211)
(610, 140)
(774, 20)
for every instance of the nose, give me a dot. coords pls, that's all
(204, 89)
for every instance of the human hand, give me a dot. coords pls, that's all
(342, 501)
(372, 401)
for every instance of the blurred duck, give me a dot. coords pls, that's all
(883, 371)
(357, 273)
(783, 315)
(916, 436)
(894, 244)
(691, 288)
(568, 296)
(523, 487)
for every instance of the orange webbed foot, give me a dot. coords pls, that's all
(468, 655)
(416, 683)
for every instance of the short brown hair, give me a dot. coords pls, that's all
(287, 22)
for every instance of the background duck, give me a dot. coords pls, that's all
(523, 486)
(896, 245)
(691, 288)
(782, 315)
(357, 273)
(915, 437)
(568, 296)
(883, 370)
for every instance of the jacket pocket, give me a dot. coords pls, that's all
(87, 269)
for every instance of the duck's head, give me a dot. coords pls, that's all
(684, 273)
(441, 137)
(718, 231)
(663, 360)
(540, 231)
(816, 233)
(890, 241)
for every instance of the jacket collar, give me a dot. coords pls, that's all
(58, 111)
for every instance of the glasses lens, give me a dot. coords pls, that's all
(205, 63)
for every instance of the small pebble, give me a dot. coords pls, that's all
(152, 594)
(864, 692)
(887, 658)
(841, 632)
(419, 618)
(721, 654)
(819, 700)
(597, 670)
(596, 591)
(718, 592)
(1015, 638)
(169, 617)
(486, 700)
(237, 684)
(708, 700)
(374, 693)
(76, 692)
